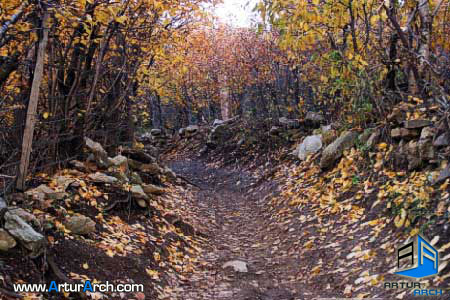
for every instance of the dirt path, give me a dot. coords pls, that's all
(236, 220)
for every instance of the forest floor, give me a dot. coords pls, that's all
(296, 257)
(235, 219)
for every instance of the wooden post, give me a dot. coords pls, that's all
(32, 106)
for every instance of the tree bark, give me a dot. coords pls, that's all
(32, 106)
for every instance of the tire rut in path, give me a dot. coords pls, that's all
(235, 221)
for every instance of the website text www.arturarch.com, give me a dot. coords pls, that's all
(85, 287)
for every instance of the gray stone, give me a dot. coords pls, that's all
(64, 181)
(217, 122)
(274, 130)
(364, 137)
(373, 139)
(153, 189)
(24, 233)
(417, 124)
(156, 132)
(6, 240)
(289, 123)
(171, 175)
(135, 178)
(100, 155)
(192, 129)
(403, 133)
(102, 178)
(78, 165)
(310, 145)
(427, 133)
(335, 150)
(120, 161)
(80, 224)
(3, 203)
(26, 216)
(138, 192)
(152, 169)
(237, 265)
(443, 175)
(442, 140)
(314, 117)
(44, 192)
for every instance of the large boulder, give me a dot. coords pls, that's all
(334, 151)
(80, 224)
(100, 155)
(310, 145)
(24, 233)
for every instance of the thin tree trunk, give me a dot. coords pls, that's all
(32, 106)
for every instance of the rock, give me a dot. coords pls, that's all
(134, 164)
(156, 132)
(137, 192)
(217, 135)
(169, 174)
(412, 154)
(142, 203)
(237, 265)
(274, 130)
(426, 149)
(373, 139)
(442, 140)
(335, 150)
(100, 155)
(3, 203)
(403, 133)
(6, 240)
(78, 165)
(277, 294)
(364, 137)
(443, 175)
(141, 156)
(310, 145)
(44, 192)
(152, 169)
(396, 115)
(80, 224)
(26, 216)
(135, 178)
(24, 233)
(416, 124)
(427, 133)
(329, 136)
(64, 181)
(153, 189)
(218, 122)
(120, 161)
(182, 132)
(289, 123)
(314, 118)
(102, 178)
(192, 129)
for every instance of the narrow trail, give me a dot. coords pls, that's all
(235, 218)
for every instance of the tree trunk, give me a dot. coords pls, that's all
(32, 106)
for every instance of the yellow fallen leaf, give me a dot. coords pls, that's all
(85, 266)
